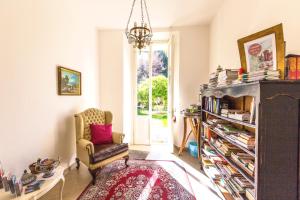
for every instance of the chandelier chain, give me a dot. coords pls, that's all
(130, 14)
(142, 11)
(146, 8)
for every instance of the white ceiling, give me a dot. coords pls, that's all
(113, 14)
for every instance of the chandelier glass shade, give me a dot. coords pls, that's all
(141, 33)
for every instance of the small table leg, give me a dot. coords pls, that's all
(62, 187)
(184, 136)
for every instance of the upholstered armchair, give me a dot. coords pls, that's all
(97, 156)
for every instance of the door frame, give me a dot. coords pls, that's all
(170, 113)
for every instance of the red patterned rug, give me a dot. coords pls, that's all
(142, 180)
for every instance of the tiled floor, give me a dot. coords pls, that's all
(77, 180)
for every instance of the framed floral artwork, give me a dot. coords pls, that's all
(69, 81)
(263, 50)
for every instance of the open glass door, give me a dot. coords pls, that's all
(152, 96)
(159, 125)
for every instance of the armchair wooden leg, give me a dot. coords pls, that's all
(93, 174)
(126, 160)
(77, 163)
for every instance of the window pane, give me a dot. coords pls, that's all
(143, 83)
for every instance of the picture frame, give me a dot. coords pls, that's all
(69, 81)
(263, 50)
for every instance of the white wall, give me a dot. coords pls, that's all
(111, 75)
(193, 70)
(36, 36)
(237, 19)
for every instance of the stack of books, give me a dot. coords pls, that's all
(224, 147)
(215, 121)
(227, 170)
(241, 181)
(235, 183)
(264, 74)
(203, 87)
(212, 156)
(244, 160)
(213, 80)
(236, 114)
(246, 139)
(226, 77)
(212, 172)
(206, 162)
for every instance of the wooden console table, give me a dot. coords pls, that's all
(194, 120)
(46, 187)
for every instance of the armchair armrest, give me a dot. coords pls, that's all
(86, 145)
(118, 137)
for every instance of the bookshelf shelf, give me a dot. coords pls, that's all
(277, 111)
(231, 120)
(234, 165)
(251, 153)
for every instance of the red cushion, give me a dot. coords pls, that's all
(101, 134)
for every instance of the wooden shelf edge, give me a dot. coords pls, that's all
(231, 120)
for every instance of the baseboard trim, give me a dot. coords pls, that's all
(68, 169)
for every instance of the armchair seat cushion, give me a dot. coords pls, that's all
(104, 151)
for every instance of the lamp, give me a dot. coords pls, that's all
(140, 34)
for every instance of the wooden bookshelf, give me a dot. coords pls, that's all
(276, 131)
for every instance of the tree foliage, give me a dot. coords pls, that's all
(159, 66)
(159, 92)
(160, 63)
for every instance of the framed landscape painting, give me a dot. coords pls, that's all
(263, 50)
(69, 81)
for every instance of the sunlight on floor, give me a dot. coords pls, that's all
(147, 190)
(201, 185)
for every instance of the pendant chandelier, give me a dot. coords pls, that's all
(140, 34)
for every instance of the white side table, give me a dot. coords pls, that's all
(46, 187)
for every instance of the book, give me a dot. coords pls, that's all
(246, 135)
(298, 68)
(293, 66)
(1, 176)
(250, 141)
(251, 166)
(230, 170)
(236, 187)
(19, 188)
(242, 160)
(250, 147)
(5, 183)
(252, 111)
(242, 182)
(250, 194)
(11, 182)
(206, 161)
